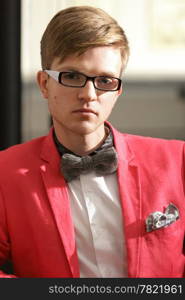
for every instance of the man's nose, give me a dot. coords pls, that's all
(88, 92)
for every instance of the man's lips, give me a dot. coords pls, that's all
(85, 111)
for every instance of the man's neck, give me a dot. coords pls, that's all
(82, 144)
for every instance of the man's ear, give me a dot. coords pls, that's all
(42, 80)
(120, 91)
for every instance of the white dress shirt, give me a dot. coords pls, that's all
(97, 218)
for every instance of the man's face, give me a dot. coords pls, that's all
(82, 110)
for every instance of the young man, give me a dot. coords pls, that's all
(87, 200)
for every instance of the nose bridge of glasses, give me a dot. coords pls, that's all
(88, 91)
(91, 79)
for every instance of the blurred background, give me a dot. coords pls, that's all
(153, 99)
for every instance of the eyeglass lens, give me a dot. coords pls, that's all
(76, 79)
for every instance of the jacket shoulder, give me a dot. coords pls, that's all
(152, 141)
(23, 152)
(148, 148)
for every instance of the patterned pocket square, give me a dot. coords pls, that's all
(158, 219)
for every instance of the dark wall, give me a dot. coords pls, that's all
(10, 75)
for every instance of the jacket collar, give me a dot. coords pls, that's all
(120, 142)
(49, 152)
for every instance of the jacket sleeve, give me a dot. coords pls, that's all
(4, 275)
(4, 244)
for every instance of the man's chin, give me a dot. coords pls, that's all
(84, 128)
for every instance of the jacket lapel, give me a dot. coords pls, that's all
(130, 195)
(56, 189)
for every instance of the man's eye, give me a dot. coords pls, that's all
(105, 80)
(71, 76)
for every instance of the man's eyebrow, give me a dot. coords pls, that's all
(107, 74)
(69, 69)
(74, 69)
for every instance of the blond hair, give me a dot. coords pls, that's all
(76, 29)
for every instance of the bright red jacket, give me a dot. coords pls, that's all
(36, 228)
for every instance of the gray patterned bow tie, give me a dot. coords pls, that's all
(103, 162)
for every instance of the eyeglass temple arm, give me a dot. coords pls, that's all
(53, 74)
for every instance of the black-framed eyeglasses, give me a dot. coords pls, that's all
(78, 80)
